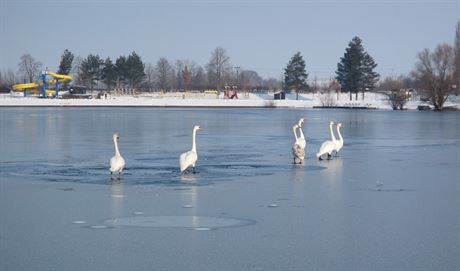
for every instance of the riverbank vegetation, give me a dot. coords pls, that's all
(435, 75)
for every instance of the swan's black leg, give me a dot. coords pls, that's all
(329, 156)
(320, 158)
(194, 170)
(294, 161)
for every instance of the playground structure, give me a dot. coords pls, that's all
(230, 92)
(46, 78)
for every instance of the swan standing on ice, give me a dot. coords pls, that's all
(302, 141)
(117, 163)
(189, 158)
(339, 143)
(328, 146)
(297, 150)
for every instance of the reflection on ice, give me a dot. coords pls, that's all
(195, 222)
(79, 222)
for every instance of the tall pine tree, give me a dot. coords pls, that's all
(355, 71)
(370, 77)
(66, 66)
(134, 69)
(66, 62)
(91, 70)
(295, 76)
(109, 74)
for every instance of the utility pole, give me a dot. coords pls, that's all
(237, 78)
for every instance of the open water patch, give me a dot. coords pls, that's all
(207, 172)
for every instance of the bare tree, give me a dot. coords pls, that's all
(198, 77)
(150, 75)
(29, 68)
(164, 73)
(457, 59)
(186, 77)
(218, 66)
(435, 73)
(10, 77)
(314, 85)
(7, 79)
(75, 70)
(249, 79)
(393, 89)
(179, 67)
(271, 84)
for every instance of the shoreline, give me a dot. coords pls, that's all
(372, 101)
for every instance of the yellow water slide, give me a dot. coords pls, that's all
(32, 87)
(60, 76)
(26, 86)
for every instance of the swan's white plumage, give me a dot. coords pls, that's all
(339, 143)
(189, 158)
(328, 146)
(302, 141)
(117, 163)
(297, 150)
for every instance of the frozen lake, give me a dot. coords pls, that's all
(390, 201)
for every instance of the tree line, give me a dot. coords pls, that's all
(436, 74)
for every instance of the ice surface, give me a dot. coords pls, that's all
(390, 201)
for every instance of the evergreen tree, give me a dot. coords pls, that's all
(121, 71)
(295, 76)
(91, 70)
(134, 70)
(66, 62)
(355, 71)
(370, 77)
(109, 74)
(66, 65)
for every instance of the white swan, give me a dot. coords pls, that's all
(302, 141)
(297, 150)
(189, 158)
(338, 143)
(328, 146)
(117, 163)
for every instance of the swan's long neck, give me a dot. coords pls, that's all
(117, 151)
(194, 140)
(295, 134)
(340, 135)
(301, 132)
(332, 133)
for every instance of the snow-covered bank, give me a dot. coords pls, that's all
(175, 99)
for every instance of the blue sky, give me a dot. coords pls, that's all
(258, 35)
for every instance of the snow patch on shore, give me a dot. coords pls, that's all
(178, 99)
